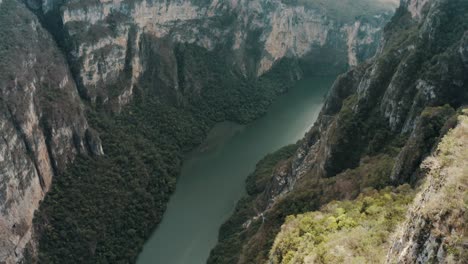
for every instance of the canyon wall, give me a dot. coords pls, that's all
(42, 123)
(434, 231)
(104, 38)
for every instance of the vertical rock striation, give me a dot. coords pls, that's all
(104, 38)
(435, 227)
(42, 124)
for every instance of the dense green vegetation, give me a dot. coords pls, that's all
(102, 209)
(355, 231)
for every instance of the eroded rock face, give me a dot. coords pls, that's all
(42, 125)
(434, 227)
(104, 37)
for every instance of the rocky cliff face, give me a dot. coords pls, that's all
(105, 38)
(435, 227)
(42, 123)
(379, 121)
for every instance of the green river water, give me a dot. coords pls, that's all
(213, 176)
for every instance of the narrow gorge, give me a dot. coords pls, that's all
(104, 103)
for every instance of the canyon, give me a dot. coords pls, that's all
(103, 100)
(68, 65)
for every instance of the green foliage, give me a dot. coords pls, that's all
(429, 128)
(255, 241)
(355, 231)
(102, 209)
(227, 94)
(453, 23)
(346, 138)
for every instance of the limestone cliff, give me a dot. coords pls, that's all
(42, 123)
(435, 227)
(105, 40)
(379, 121)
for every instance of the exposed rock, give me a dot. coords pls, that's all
(434, 230)
(105, 36)
(415, 7)
(42, 125)
(420, 142)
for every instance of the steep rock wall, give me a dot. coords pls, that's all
(435, 226)
(42, 125)
(104, 37)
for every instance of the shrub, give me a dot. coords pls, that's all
(356, 231)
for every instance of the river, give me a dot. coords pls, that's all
(212, 178)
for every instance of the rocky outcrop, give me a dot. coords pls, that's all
(435, 231)
(42, 124)
(415, 7)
